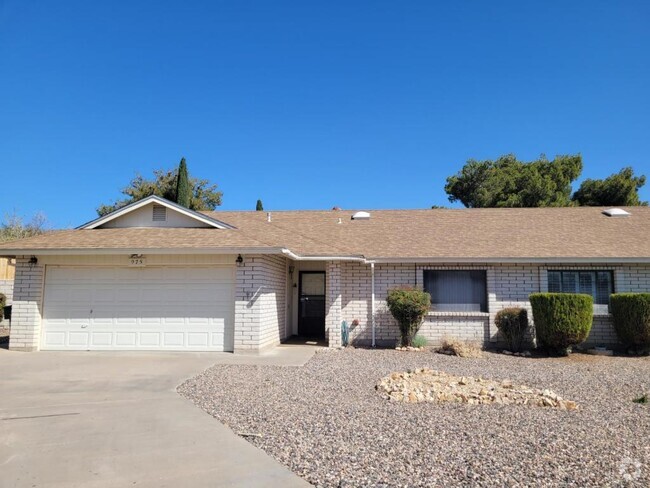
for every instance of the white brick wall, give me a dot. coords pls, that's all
(27, 303)
(7, 289)
(507, 286)
(333, 303)
(260, 303)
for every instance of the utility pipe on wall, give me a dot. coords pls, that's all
(372, 300)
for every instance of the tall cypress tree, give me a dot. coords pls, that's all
(183, 190)
(259, 207)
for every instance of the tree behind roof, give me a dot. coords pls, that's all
(204, 195)
(619, 189)
(183, 189)
(508, 182)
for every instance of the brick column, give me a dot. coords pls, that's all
(333, 302)
(247, 306)
(491, 282)
(27, 306)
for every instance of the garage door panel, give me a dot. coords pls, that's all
(102, 339)
(150, 339)
(133, 308)
(78, 338)
(197, 339)
(173, 339)
(55, 338)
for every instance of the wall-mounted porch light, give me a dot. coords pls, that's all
(239, 261)
(33, 261)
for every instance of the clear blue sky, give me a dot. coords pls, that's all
(311, 104)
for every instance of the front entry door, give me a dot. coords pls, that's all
(311, 311)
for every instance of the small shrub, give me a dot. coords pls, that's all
(455, 347)
(419, 341)
(631, 317)
(3, 303)
(513, 325)
(562, 320)
(408, 306)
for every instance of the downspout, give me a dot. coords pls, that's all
(372, 300)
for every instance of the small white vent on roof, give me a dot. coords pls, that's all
(361, 216)
(159, 213)
(616, 212)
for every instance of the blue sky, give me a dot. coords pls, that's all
(311, 104)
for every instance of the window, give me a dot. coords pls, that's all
(456, 291)
(598, 284)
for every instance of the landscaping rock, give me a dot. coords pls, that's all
(326, 422)
(427, 385)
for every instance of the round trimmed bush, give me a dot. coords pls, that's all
(631, 316)
(562, 320)
(513, 326)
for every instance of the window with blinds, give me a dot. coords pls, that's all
(598, 284)
(456, 291)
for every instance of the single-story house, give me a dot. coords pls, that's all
(156, 276)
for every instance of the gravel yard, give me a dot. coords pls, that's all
(326, 422)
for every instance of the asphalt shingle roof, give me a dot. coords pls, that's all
(467, 234)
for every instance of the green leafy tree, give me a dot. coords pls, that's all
(619, 189)
(183, 189)
(259, 207)
(508, 182)
(204, 195)
(14, 227)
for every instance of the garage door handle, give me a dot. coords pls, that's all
(84, 326)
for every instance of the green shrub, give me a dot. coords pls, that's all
(562, 320)
(420, 341)
(408, 306)
(631, 316)
(513, 325)
(3, 303)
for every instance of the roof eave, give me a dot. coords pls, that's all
(139, 250)
(513, 260)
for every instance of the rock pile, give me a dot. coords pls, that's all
(426, 385)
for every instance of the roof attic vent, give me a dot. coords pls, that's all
(361, 216)
(159, 213)
(616, 212)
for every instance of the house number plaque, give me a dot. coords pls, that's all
(137, 261)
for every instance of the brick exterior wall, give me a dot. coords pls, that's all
(27, 305)
(333, 303)
(260, 303)
(7, 289)
(507, 286)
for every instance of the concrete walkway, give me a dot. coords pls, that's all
(114, 419)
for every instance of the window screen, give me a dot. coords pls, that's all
(456, 291)
(598, 284)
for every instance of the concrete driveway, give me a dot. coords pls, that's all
(114, 419)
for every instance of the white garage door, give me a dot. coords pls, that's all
(168, 308)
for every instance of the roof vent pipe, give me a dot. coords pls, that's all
(268, 216)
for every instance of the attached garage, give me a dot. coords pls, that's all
(172, 308)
